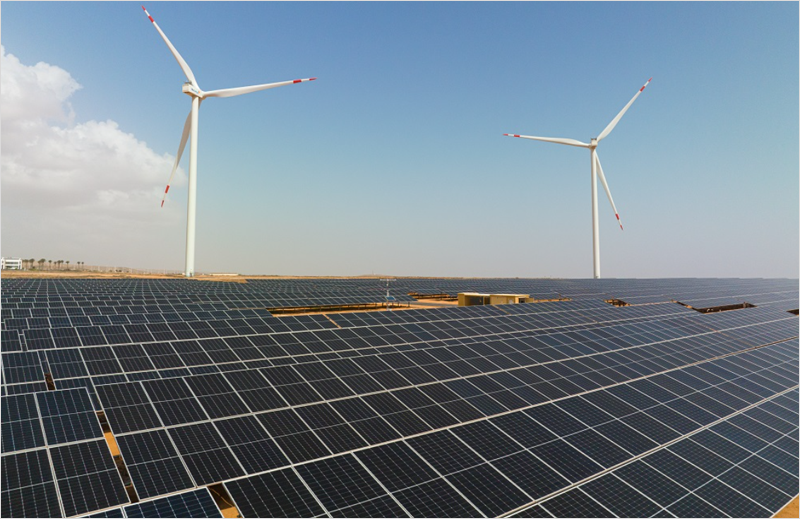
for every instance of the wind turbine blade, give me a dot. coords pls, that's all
(184, 66)
(230, 92)
(186, 128)
(608, 191)
(616, 119)
(568, 142)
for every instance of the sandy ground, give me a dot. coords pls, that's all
(71, 274)
(77, 274)
(790, 510)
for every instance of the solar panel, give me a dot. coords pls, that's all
(22, 367)
(127, 407)
(153, 463)
(197, 503)
(205, 453)
(274, 494)
(87, 477)
(22, 429)
(696, 471)
(426, 412)
(28, 485)
(68, 416)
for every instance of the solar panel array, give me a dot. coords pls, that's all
(564, 408)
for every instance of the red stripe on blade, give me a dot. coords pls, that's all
(167, 191)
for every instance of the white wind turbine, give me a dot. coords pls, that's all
(192, 89)
(596, 168)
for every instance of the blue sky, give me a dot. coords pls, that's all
(394, 162)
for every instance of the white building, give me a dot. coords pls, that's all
(11, 263)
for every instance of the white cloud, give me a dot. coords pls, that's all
(34, 92)
(62, 179)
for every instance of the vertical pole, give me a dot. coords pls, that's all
(595, 223)
(191, 209)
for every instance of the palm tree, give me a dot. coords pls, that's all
(67, 262)
(41, 263)
(31, 262)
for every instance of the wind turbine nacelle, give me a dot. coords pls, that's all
(189, 89)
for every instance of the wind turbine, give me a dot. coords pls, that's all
(596, 168)
(192, 89)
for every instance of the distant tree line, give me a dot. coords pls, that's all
(31, 263)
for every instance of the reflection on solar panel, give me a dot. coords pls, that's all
(572, 407)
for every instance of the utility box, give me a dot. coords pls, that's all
(542, 299)
(507, 299)
(472, 299)
(475, 298)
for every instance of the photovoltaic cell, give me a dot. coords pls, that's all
(435, 498)
(488, 489)
(575, 503)
(620, 498)
(87, 477)
(127, 407)
(274, 494)
(197, 503)
(565, 459)
(396, 466)
(251, 444)
(650, 482)
(68, 416)
(205, 453)
(530, 474)
(693, 506)
(339, 482)
(28, 486)
(21, 427)
(444, 452)
(730, 501)
(153, 463)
